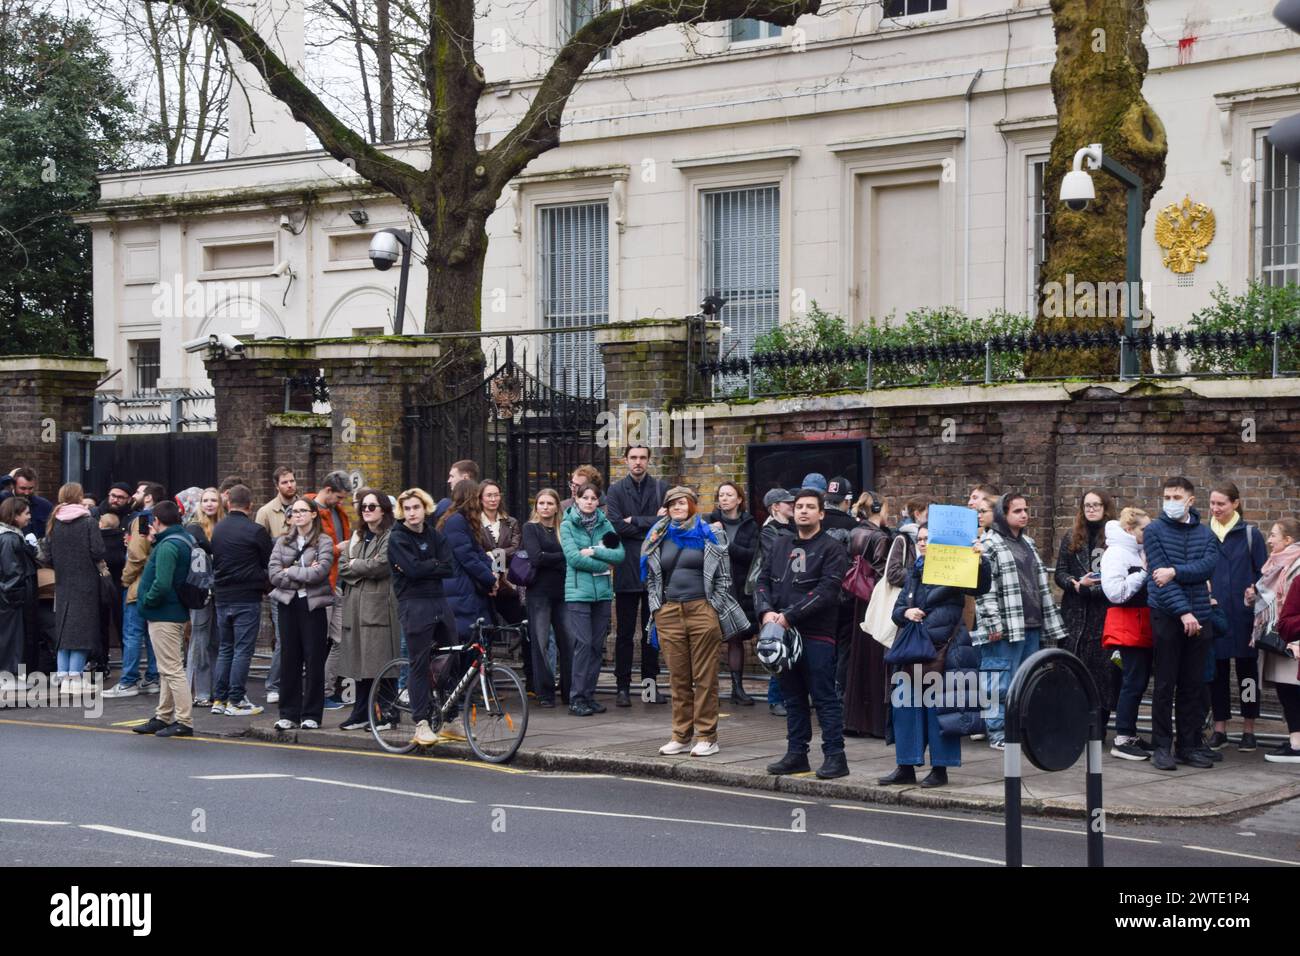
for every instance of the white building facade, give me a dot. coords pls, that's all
(872, 164)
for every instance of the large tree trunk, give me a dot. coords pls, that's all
(453, 302)
(1097, 86)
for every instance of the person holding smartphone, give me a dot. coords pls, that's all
(1083, 602)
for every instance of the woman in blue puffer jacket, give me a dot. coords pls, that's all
(938, 608)
(473, 583)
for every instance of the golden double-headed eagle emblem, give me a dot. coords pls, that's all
(1183, 230)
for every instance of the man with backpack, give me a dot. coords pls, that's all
(160, 597)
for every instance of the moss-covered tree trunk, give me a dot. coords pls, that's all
(1101, 62)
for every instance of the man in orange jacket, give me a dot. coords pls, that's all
(334, 490)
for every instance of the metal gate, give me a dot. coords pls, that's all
(521, 430)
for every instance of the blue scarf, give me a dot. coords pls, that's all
(920, 563)
(693, 536)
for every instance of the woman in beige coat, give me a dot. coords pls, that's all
(371, 629)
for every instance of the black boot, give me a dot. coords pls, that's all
(790, 763)
(902, 774)
(738, 695)
(937, 777)
(835, 765)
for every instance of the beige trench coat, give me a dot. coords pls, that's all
(372, 633)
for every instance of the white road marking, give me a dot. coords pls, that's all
(400, 793)
(642, 816)
(988, 823)
(250, 854)
(913, 849)
(37, 823)
(242, 776)
(334, 863)
(730, 793)
(1244, 856)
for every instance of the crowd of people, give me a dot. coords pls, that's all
(834, 595)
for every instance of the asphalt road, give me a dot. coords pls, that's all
(107, 797)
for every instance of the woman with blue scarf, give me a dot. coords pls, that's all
(688, 584)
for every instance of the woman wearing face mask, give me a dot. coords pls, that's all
(1083, 602)
(1269, 598)
(545, 598)
(1243, 552)
(688, 586)
(205, 640)
(592, 548)
(1124, 580)
(741, 542)
(300, 575)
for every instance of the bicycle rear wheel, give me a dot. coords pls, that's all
(496, 714)
(390, 712)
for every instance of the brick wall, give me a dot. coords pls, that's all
(43, 398)
(1051, 442)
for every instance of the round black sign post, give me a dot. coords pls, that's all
(1053, 714)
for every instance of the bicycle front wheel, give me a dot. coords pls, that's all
(496, 714)
(390, 710)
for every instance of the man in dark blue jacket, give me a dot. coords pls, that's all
(799, 587)
(634, 503)
(1181, 553)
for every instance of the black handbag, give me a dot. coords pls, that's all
(1274, 643)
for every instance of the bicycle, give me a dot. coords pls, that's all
(495, 705)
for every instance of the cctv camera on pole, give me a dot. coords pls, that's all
(385, 247)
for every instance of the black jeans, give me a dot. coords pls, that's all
(813, 675)
(1180, 689)
(426, 622)
(545, 612)
(304, 636)
(1137, 674)
(627, 605)
(1289, 696)
(1221, 693)
(843, 645)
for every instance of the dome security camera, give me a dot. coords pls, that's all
(1076, 188)
(385, 249)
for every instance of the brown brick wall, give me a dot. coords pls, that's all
(32, 392)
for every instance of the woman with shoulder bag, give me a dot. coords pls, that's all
(592, 549)
(1276, 601)
(503, 537)
(300, 576)
(205, 640)
(545, 599)
(741, 542)
(937, 611)
(688, 586)
(372, 629)
(473, 584)
(1083, 601)
(866, 685)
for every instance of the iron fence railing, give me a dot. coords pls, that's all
(190, 410)
(1262, 353)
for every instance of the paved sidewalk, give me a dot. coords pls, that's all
(627, 741)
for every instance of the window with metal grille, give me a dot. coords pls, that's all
(148, 360)
(1036, 216)
(742, 259)
(578, 13)
(573, 254)
(747, 29)
(910, 8)
(1276, 214)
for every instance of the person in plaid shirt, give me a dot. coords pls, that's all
(1017, 614)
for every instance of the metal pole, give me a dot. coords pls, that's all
(988, 363)
(1123, 357)
(1011, 783)
(1096, 814)
(1132, 254)
(750, 375)
(870, 368)
(405, 239)
(1276, 337)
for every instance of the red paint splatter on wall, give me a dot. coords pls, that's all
(1185, 45)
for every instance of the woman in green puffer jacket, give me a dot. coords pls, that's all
(591, 550)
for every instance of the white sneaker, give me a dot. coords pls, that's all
(424, 735)
(75, 686)
(310, 725)
(149, 687)
(998, 744)
(705, 748)
(122, 690)
(284, 723)
(673, 748)
(272, 697)
(245, 708)
(218, 707)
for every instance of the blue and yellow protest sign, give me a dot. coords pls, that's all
(949, 559)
